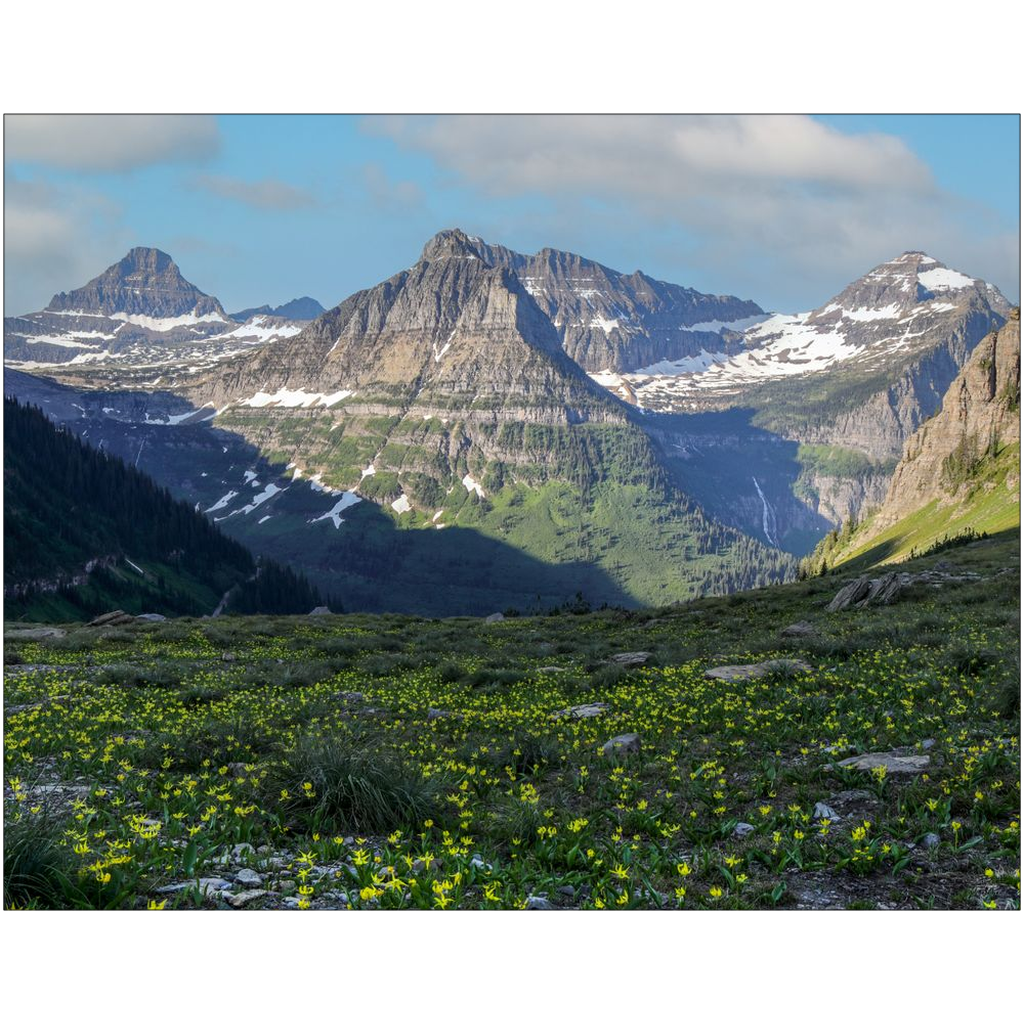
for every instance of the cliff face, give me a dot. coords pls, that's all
(980, 416)
(454, 331)
(837, 498)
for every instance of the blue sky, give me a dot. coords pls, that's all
(257, 209)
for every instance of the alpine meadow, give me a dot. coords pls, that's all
(492, 577)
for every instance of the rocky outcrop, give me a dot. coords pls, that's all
(838, 498)
(888, 589)
(979, 415)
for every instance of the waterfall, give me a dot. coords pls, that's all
(768, 521)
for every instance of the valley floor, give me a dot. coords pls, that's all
(386, 761)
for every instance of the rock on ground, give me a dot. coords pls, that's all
(627, 743)
(756, 671)
(631, 658)
(583, 711)
(249, 878)
(799, 629)
(893, 764)
(539, 903)
(115, 618)
(852, 594)
(240, 899)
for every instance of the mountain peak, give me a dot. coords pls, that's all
(147, 282)
(904, 283)
(452, 243)
(147, 259)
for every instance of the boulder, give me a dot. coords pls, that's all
(321, 609)
(822, 810)
(115, 618)
(496, 617)
(798, 629)
(627, 743)
(631, 658)
(152, 617)
(583, 710)
(742, 829)
(894, 764)
(850, 595)
(787, 666)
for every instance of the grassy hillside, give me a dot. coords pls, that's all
(389, 761)
(586, 508)
(987, 503)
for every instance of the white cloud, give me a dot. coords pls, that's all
(666, 155)
(753, 198)
(55, 239)
(109, 142)
(267, 194)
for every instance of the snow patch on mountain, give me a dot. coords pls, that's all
(223, 502)
(347, 499)
(672, 367)
(471, 485)
(715, 326)
(258, 328)
(942, 279)
(283, 398)
(168, 323)
(439, 355)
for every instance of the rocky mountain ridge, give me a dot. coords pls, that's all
(608, 321)
(304, 308)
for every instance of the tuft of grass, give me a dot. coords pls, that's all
(157, 676)
(37, 871)
(350, 788)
